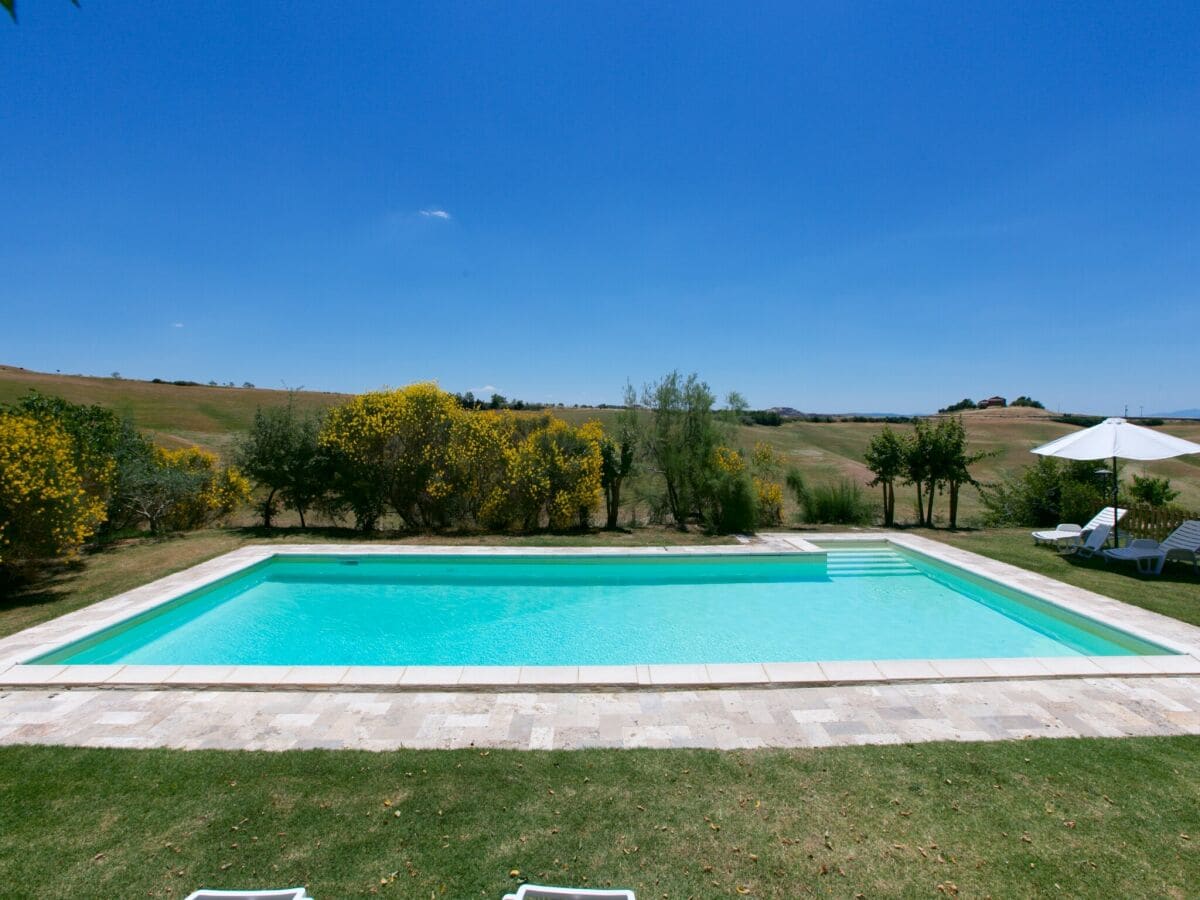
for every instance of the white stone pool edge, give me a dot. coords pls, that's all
(16, 650)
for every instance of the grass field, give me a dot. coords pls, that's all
(1081, 818)
(172, 415)
(212, 417)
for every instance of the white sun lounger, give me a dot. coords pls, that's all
(1068, 531)
(541, 892)
(1147, 555)
(284, 894)
(1094, 542)
(1150, 556)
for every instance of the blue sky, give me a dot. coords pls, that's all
(833, 206)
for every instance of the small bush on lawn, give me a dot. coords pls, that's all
(1048, 492)
(840, 503)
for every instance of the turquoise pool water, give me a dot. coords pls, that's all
(865, 603)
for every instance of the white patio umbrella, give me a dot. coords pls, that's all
(1117, 438)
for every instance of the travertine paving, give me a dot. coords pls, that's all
(798, 704)
(713, 718)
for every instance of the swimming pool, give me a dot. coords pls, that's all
(866, 602)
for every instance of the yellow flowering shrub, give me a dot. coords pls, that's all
(215, 492)
(417, 451)
(398, 446)
(479, 457)
(45, 508)
(729, 461)
(553, 476)
(765, 459)
(769, 501)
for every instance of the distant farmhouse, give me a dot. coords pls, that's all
(992, 401)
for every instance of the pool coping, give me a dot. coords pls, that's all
(15, 650)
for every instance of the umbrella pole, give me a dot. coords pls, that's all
(1116, 513)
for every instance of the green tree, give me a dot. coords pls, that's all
(282, 456)
(964, 403)
(1047, 492)
(154, 492)
(1152, 491)
(680, 441)
(918, 456)
(951, 463)
(886, 458)
(618, 453)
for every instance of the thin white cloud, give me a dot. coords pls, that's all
(486, 389)
(176, 324)
(436, 214)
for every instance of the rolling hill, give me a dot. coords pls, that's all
(213, 416)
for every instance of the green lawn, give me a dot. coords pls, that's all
(1175, 593)
(1098, 818)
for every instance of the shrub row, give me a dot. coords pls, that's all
(68, 471)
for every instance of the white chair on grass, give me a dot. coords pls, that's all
(1093, 544)
(1069, 531)
(541, 892)
(1150, 556)
(284, 894)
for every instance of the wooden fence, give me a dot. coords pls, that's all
(1154, 521)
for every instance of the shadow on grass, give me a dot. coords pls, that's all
(1174, 572)
(353, 535)
(47, 583)
(50, 581)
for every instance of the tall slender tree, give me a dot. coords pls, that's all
(618, 453)
(885, 457)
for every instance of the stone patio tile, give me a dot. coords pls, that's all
(200, 675)
(608, 675)
(142, 675)
(736, 673)
(795, 672)
(906, 668)
(535, 675)
(961, 668)
(251, 675)
(317, 676)
(31, 674)
(1017, 667)
(678, 674)
(821, 714)
(1069, 665)
(431, 675)
(490, 675)
(368, 676)
(851, 670)
(1174, 664)
(1123, 665)
(84, 674)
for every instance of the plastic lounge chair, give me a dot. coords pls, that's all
(1068, 531)
(1061, 532)
(270, 894)
(1093, 544)
(1184, 543)
(542, 892)
(1149, 556)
